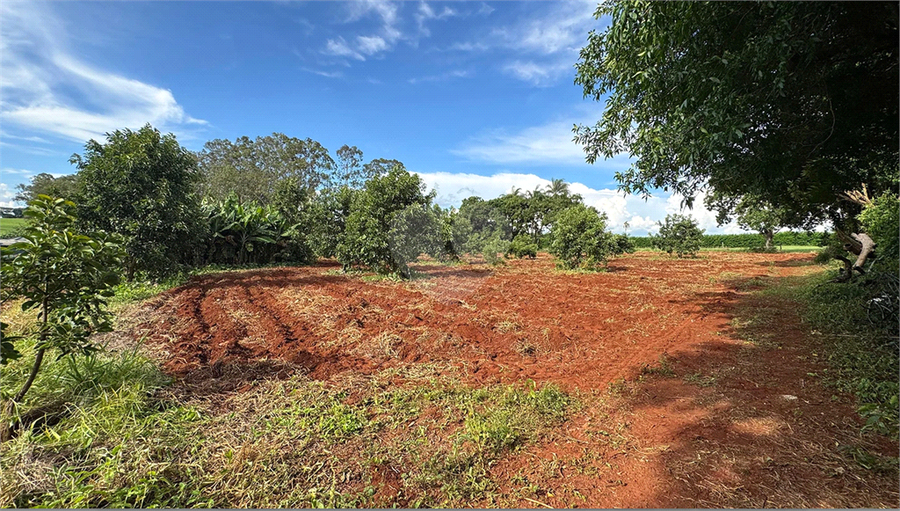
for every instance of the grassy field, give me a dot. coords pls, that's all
(10, 224)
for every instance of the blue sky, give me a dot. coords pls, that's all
(477, 97)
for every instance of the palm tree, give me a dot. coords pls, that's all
(558, 187)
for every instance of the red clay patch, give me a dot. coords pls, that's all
(715, 432)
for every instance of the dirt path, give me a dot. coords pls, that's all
(699, 417)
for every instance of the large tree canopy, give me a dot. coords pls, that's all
(252, 168)
(792, 101)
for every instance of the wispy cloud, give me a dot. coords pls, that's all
(339, 48)
(537, 145)
(441, 77)
(47, 88)
(542, 74)
(544, 45)
(326, 74)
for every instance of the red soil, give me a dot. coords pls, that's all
(727, 444)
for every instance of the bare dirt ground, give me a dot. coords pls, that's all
(694, 413)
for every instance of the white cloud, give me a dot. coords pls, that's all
(550, 143)
(371, 45)
(22, 172)
(641, 215)
(538, 74)
(426, 13)
(545, 44)
(6, 196)
(41, 80)
(339, 48)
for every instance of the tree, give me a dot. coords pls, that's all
(753, 213)
(252, 168)
(46, 184)
(390, 224)
(794, 102)
(349, 167)
(64, 276)
(141, 185)
(580, 239)
(679, 234)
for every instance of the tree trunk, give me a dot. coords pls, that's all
(769, 237)
(38, 359)
(860, 244)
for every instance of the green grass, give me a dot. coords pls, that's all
(862, 356)
(9, 226)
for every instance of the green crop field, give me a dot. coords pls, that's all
(10, 224)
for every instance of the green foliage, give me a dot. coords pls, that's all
(580, 239)
(523, 246)
(64, 187)
(390, 223)
(679, 234)
(64, 276)
(794, 102)
(140, 185)
(477, 224)
(861, 340)
(493, 249)
(789, 238)
(252, 169)
(881, 220)
(247, 233)
(326, 219)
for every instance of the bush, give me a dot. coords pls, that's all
(141, 185)
(881, 221)
(390, 224)
(523, 246)
(679, 234)
(493, 250)
(580, 239)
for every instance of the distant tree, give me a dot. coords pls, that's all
(349, 167)
(580, 239)
(380, 167)
(45, 184)
(390, 223)
(558, 187)
(141, 185)
(480, 221)
(326, 219)
(63, 275)
(753, 213)
(252, 168)
(679, 234)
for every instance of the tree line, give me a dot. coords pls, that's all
(282, 199)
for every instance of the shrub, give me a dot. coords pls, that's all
(522, 246)
(580, 239)
(679, 234)
(493, 250)
(141, 185)
(389, 225)
(881, 220)
(65, 276)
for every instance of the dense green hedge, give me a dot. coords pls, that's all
(818, 239)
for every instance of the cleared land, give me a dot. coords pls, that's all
(682, 383)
